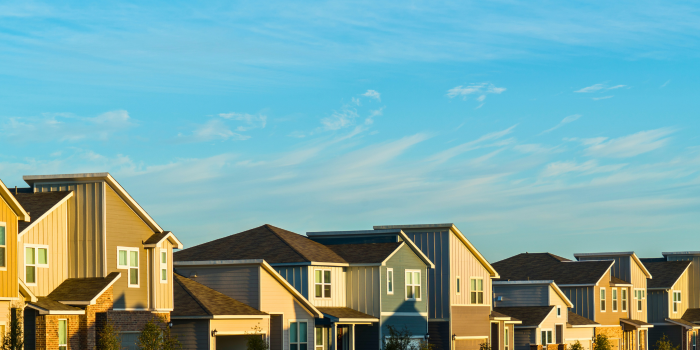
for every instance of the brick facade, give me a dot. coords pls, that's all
(131, 321)
(47, 331)
(88, 322)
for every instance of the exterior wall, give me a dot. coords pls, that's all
(47, 331)
(192, 334)
(693, 277)
(471, 321)
(614, 334)
(549, 323)
(631, 306)
(608, 318)
(673, 332)
(275, 299)
(134, 321)
(363, 289)
(338, 287)
(418, 326)
(682, 285)
(240, 326)
(464, 264)
(584, 335)
(639, 280)
(404, 259)
(583, 299)
(658, 306)
(297, 276)
(5, 314)
(521, 295)
(9, 274)
(524, 337)
(239, 282)
(52, 231)
(86, 226)
(440, 336)
(126, 229)
(436, 246)
(163, 292)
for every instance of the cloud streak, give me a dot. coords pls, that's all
(480, 89)
(566, 120)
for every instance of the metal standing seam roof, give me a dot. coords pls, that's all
(546, 266)
(665, 273)
(195, 299)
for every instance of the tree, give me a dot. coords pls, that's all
(170, 341)
(399, 339)
(665, 344)
(576, 346)
(255, 341)
(601, 342)
(151, 337)
(13, 339)
(108, 337)
(485, 346)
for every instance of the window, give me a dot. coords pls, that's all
(412, 285)
(63, 334)
(128, 259)
(558, 311)
(639, 296)
(322, 282)
(164, 266)
(477, 291)
(3, 246)
(623, 294)
(676, 300)
(298, 335)
(614, 299)
(602, 299)
(389, 281)
(319, 338)
(459, 285)
(546, 337)
(34, 256)
(506, 342)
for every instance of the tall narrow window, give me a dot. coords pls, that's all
(614, 299)
(298, 336)
(389, 281)
(506, 341)
(676, 301)
(413, 285)
(602, 299)
(558, 311)
(458, 285)
(546, 337)
(639, 297)
(477, 291)
(3, 247)
(322, 283)
(319, 339)
(128, 259)
(62, 334)
(623, 295)
(164, 266)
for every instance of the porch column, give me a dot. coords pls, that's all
(332, 342)
(352, 337)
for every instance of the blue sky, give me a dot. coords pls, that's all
(533, 126)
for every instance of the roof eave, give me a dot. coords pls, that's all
(17, 208)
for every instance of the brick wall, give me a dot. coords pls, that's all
(129, 321)
(47, 331)
(88, 322)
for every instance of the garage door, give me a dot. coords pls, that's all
(468, 344)
(232, 342)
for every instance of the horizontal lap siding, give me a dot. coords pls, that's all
(521, 295)
(404, 259)
(238, 282)
(297, 276)
(363, 286)
(192, 334)
(471, 320)
(8, 275)
(523, 338)
(436, 246)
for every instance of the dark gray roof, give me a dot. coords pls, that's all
(195, 299)
(268, 242)
(665, 273)
(635, 322)
(49, 304)
(578, 320)
(684, 322)
(529, 315)
(37, 204)
(82, 289)
(618, 280)
(365, 253)
(344, 312)
(546, 266)
(498, 314)
(157, 237)
(691, 315)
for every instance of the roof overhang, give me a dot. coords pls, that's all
(25, 292)
(351, 320)
(681, 253)
(92, 301)
(170, 237)
(22, 214)
(633, 324)
(685, 325)
(612, 284)
(47, 213)
(43, 311)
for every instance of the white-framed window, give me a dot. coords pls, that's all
(602, 299)
(676, 300)
(298, 335)
(163, 266)
(319, 339)
(458, 285)
(35, 256)
(506, 338)
(639, 296)
(546, 336)
(476, 290)
(558, 311)
(623, 297)
(389, 281)
(62, 334)
(3, 247)
(413, 280)
(614, 299)
(128, 259)
(322, 283)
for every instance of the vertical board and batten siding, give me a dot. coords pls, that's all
(638, 280)
(682, 286)
(338, 287)
(238, 282)
(276, 299)
(464, 264)
(363, 288)
(126, 229)
(657, 306)
(436, 246)
(192, 334)
(693, 277)
(51, 231)
(9, 283)
(583, 300)
(297, 276)
(163, 291)
(86, 246)
(520, 295)
(404, 259)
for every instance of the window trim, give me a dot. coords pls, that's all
(419, 284)
(623, 299)
(3, 264)
(483, 293)
(298, 342)
(127, 267)
(614, 299)
(59, 333)
(506, 343)
(458, 285)
(323, 284)
(639, 297)
(163, 266)
(390, 281)
(558, 311)
(36, 263)
(543, 330)
(603, 298)
(676, 304)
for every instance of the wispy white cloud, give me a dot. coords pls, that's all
(251, 121)
(212, 130)
(373, 94)
(664, 84)
(450, 153)
(481, 89)
(599, 88)
(602, 98)
(566, 120)
(587, 168)
(628, 146)
(66, 127)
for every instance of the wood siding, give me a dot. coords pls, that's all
(583, 300)
(163, 291)
(239, 326)
(464, 264)
(549, 323)
(436, 246)
(472, 321)
(693, 277)
(192, 334)
(521, 295)
(363, 289)
(86, 227)
(239, 282)
(682, 285)
(51, 231)
(658, 306)
(404, 259)
(9, 285)
(338, 287)
(297, 276)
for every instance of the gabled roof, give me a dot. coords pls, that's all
(531, 316)
(195, 299)
(157, 238)
(267, 242)
(48, 306)
(346, 314)
(17, 208)
(666, 273)
(578, 320)
(550, 283)
(83, 291)
(365, 253)
(611, 255)
(692, 315)
(503, 317)
(39, 205)
(545, 266)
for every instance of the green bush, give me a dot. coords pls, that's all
(255, 341)
(398, 339)
(108, 337)
(601, 342)
(485, 346)
(665, 344)
(576, 346)
(13, 339)
(156, 336)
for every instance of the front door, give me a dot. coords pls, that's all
(495, 336)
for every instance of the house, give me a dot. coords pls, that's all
(692, 314)
(543, 309)
(352, 285)
(460, 314)
(90, 253)
(250, 298)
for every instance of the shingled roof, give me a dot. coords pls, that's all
(340, 313)
(546, 266)
(691, 315)
(665, 273)
(578, 320)
(81, 290)
(37, 204)
(531, 316)
(195, 299)
(268, 242)
(365, 253)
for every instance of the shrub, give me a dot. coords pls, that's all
(665, 344)
(398, 339)
(151, 337)
(576, 346)
(255, 341)
(601, 342)
(13, 339)
(108, 337)
(485, 346)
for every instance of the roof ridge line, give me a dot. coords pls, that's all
(192, 295)
(267, 226)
